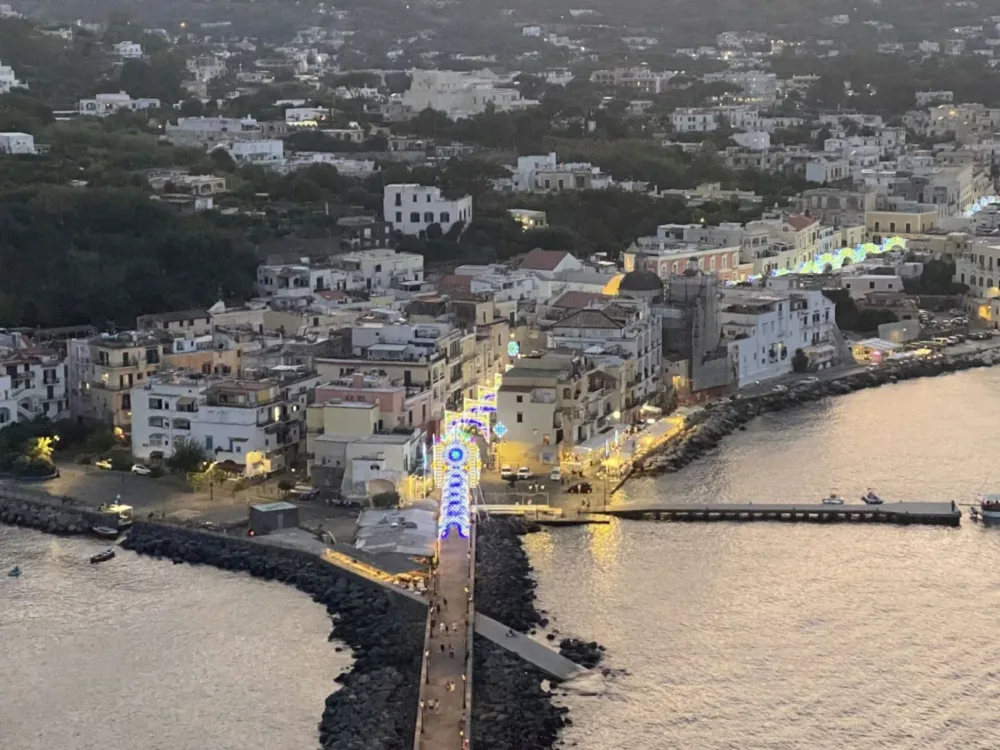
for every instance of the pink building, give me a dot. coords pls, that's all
(400, 405)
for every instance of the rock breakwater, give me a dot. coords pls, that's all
(707, 428)
(511, 708)
(376, 705)
(47, 517)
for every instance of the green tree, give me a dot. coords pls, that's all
(800, 362)
(188, 456)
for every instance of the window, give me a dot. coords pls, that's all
(520, 417)
(415, 217)
(399, 217)
(428, 197)
(907, 226)
(445, 217)
(871, 284)
(378, 268)
(876, 226)
(892, 226)
(414, 197)
(428, 217)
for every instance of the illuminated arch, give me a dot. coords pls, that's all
(611, 288)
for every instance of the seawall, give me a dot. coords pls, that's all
(707, 428)
(38, 511)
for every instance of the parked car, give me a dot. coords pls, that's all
(811, 380)
(780, 389)
(506, 471)
(581, 488)
(303, 492)
(104, 463)
(524, 473)
(143, 471)
(556, 474)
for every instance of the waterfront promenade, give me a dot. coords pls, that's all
(943, 514)
(444, 720)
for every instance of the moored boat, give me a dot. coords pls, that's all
(834, 499)
(105, 532)
(870, 498)
(989, 507)
(102, 556)
(14, 572)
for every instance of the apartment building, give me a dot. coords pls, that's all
(663, 255)
(256, 427)
(104, 369)
(461, 94)
(9, 80)
(621, 325)
(639, 79)
(836, 208)
(32, 384)
(764, 329)
(399, 405)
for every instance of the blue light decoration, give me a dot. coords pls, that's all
(979, 205)
(456, 471)
(500, 429)
(513, 349)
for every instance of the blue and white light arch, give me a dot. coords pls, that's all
(456, 470)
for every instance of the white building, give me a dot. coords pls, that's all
(104, 105)
(412, 208)
(826, 169)
(32, 383)
(544, 174)
(349, 167)
(461, 94)
(763, 329)
(695, 120)
(128, 50)
(17, 143)
(258, 425)
(206, 67)
(266, 153)
(862, 285)
(926, 98)
(8, 80)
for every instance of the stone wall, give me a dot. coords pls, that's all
(44, 514)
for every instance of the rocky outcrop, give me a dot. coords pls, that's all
(376, 705)
(708, 427)
(585, 654)
(510, 708)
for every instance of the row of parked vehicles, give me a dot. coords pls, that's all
(508, 474)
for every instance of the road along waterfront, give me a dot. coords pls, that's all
(768, 635)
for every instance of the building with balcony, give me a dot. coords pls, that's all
(32, 385)
(622, 325)
(399, 405)
(764, 329)
(104, 105)
(256, 427)
(104, 369)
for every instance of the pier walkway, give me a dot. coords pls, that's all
(944, 513)
(444, 719)
(545, 658)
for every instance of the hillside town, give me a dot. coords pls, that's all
(422, 229)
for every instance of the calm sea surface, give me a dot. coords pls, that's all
(797, 636)
(138, 653)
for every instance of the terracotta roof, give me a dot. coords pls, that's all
(333, 294)
(543, 260)
(577, 300)
(454, 283)
(800, 222)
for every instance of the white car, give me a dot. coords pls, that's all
(780, 388)
(141, 470)
(507, 471)
(524, 473)
(811, 380)
(556, 474)
(103, 464)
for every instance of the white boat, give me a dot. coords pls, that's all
(833, 500)
(989, 507)
(870, 498)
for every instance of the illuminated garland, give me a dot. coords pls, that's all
(456, 471)
(821, 261)
(980, 204)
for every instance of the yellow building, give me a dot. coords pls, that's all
(882, 224)
(104, 370)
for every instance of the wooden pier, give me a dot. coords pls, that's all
(939, 514)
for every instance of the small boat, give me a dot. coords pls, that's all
(989, 507)
(870, 498)
(102, 556)
(105, 532)
(14, 572)
(833, 500)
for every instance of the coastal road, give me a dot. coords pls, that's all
(443, 694)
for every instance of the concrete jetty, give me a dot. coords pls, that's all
(941, 513)
(546, 659)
